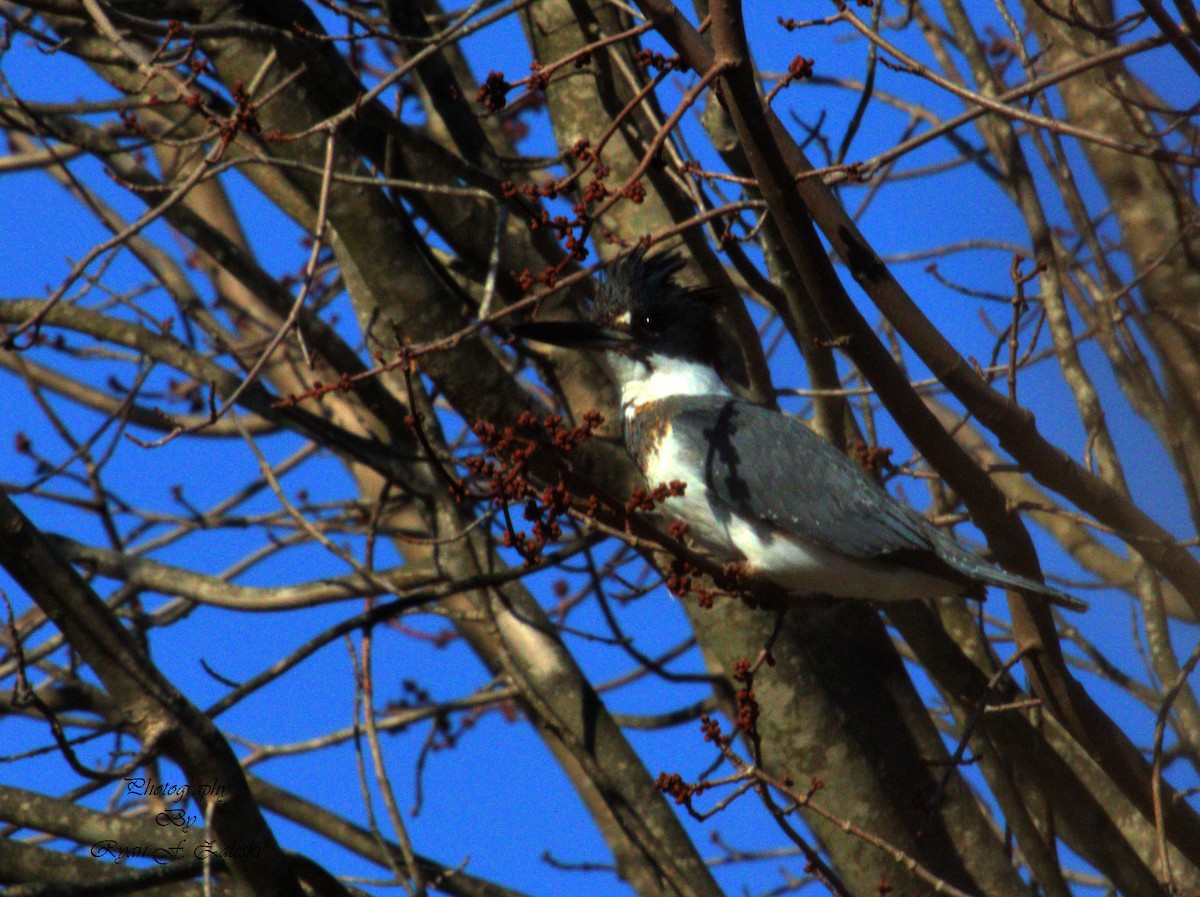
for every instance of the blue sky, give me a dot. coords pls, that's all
(498, 801)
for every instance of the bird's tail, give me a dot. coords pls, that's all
(994, 576)
(976, 568)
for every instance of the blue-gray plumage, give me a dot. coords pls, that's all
(761, 487)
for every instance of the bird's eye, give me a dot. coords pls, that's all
(651, 322)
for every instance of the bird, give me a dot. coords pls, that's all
(761, 489)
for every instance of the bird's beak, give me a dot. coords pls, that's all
(571, 334)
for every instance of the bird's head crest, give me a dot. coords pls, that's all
(644, 284)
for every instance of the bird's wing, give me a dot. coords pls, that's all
(770, 467)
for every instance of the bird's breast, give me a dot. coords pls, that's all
(663, 457)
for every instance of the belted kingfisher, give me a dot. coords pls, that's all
(761, 487)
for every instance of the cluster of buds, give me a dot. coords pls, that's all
(711, 729)
(682, 791)
(132, 123)
(548, 277)
(634, 191)
(539, 76)
(244, 118)
(800, 68)
(648, 499)
(594, 191)
(730, 580)
(872, 460)
(653, 59)
(744, 699)
(504, 467)
(493, 93)
(572, 232)
(672, 784)
(679, 581)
